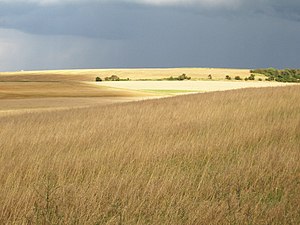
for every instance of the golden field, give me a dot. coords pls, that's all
(25, 91)
(133, 74)
(213, 158)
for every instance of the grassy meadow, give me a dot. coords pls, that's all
(213, 158)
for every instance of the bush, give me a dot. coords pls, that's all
(259, 79)
(228, 77)
(98, 79)
(209, 76)
(238, 78)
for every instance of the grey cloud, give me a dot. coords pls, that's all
(100, 19)
(20, 51)
(289, 10)
(119, 34)
(90, 20)
(122, 19)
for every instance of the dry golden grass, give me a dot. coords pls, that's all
(91, 74)
(20, 106)
(215, 158)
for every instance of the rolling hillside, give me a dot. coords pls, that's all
(214, 158)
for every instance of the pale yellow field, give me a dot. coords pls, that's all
(134, 74)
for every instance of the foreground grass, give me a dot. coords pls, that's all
(214, 158)
(170, 92)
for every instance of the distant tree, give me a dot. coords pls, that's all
(238, 78)
(228, 77)
(183, 77)
(98, 79)
(252, 77)
(210, 76)
(115, 78)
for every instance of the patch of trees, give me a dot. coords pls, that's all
(181, 77)
(286, 75)
(111, 78)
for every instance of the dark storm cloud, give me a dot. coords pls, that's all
(289, 9)
(91, 20)
(118, 20)
(166, 33)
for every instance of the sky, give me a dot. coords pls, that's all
(78, 34)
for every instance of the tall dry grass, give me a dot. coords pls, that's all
(215, 158)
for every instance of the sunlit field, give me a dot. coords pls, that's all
(25, 91)
(214, 158)
(133, 74)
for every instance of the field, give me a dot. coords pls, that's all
(16, 97)
(213, 158)
(133, 74)
(73, 151)
(26, 91)
(187, 86)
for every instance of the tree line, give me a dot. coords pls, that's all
(285, 75)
